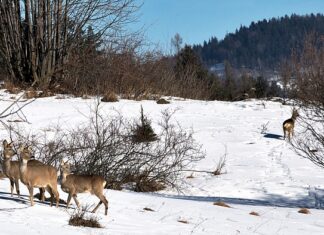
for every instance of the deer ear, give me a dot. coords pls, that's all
(29, 148)
(5, 143)
(11, 144)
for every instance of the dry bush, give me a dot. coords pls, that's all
(220, 165)
(220, 203)
(304, 211)
(162, 101)
(109, 97)
(31, 93)
(254, 213)
(11, 87)
(105, 146)
(79, 218)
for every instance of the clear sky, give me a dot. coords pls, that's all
(198, 20)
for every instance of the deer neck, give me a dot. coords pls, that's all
(64, 175)
(6, 165)
(23, 166)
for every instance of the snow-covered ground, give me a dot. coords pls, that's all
(263, 174)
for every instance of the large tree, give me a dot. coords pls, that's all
(37, 36)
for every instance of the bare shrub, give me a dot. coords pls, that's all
(264, 128)
(105, 146)
(11, 87)
(79, 218)
(220, 165)
(309, 84)
(109, 97)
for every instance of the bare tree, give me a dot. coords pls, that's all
(36, 37)
(176, 42)
(309, 81)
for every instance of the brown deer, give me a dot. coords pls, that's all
(289, 124)
(11, 169)
(33, 176)
(74, 184)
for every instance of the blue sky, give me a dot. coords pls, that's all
(198, 20)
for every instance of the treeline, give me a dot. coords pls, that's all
(262, 45)
(86, 55)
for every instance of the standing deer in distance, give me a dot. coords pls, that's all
(11, 169)
(74, 184)
(289, 124)
(33, 176)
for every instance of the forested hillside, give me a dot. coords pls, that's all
(262, 45)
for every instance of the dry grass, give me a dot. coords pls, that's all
(110, 97)
(11, 87)
(254, 213)
(78, 219)
(190, 176)
(304, 211)
(145, 185)
(162, 101)
(31, 94)
(85, 97)
(220, 166)
(220, 203)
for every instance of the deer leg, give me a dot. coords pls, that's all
(76, 200)
(102, 200)
(17, 187)
(12, 187)
(95, 209)
(49, 190)
(57, 196)
(42, 194)
(31, 195)
(68, 200)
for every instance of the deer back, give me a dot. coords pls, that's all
(39, 175)
(83, 183)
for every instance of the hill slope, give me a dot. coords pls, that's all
(262, 174)
(263, 44)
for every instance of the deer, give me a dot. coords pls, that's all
(35, 176)
(11, 169)
(289, 124)
(74, 184)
